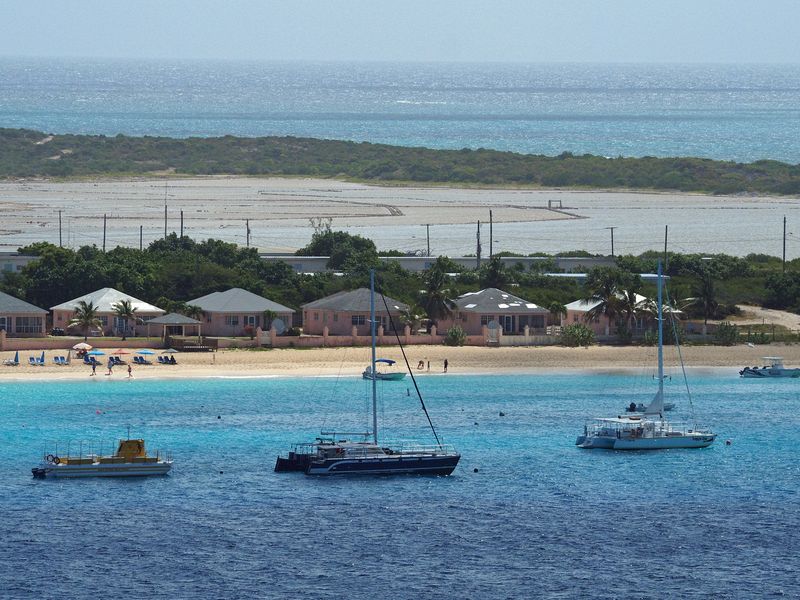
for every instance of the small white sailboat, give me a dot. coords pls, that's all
(330, 454)
(648, 430)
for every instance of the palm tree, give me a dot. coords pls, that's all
(192, 311)
(436, 297)
(705, 296)
(85, 317)
(603, 286)
(494, 273)
(411, 316)
(269, 317)
(556, 310)
(629, 304)
(125, 311)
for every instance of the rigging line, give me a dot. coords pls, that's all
(680, 357)
(410, 372)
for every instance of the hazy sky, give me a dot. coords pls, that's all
(414, 30)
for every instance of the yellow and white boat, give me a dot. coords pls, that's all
(130, 460)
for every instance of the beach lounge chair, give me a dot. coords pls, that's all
(33, 361)
(63, 360)
(57, 361)
(12, 362)
(136, 360)
(161, 360)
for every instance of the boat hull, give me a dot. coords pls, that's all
(655, 443)
(49, 470)
(295, 462)
(385, 376)
(749, 373)
(386, 465)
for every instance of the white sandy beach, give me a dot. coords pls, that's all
(462, 360)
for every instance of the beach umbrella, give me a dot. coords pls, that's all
(145, 352)
(41, 358)
(96, 353)
(170, 351)
(16, 358)
(82, 346)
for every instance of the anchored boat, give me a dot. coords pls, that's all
(775, 369)
(648, 430)
(369, 373)
(335, 454)
(130, 460)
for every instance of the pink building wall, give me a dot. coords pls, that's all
(61, 318)
(10, 321)
(220, 324)
(340, 322)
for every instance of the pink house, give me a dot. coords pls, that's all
(19, 318)
(577, 312)
(237, 312)
(495, 309)
(341, 312)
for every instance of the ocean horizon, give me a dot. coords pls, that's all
(721, 111)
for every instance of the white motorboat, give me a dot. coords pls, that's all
(335, 455)
(383, 375)
(774, 369)
(648, 430)
(130, 460)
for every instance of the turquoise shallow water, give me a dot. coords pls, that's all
(540, 518)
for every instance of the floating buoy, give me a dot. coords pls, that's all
(476, 422)
(502, 414)
(475, 470)
(219, 417)
(98, 412)
(220, 472)
(728, 442)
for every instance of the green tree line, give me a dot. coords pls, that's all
(23, 154)
(171, 272)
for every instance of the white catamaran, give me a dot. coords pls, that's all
(328, 455)
(648, 430)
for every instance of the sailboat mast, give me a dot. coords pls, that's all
(372, 332)
(660, 337)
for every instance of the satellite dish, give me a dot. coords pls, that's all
(493, 325)
(279, 326)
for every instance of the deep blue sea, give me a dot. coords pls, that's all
(730, 112)
(539, 519)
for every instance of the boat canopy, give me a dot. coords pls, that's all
(388, 361)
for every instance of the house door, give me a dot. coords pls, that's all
(3, 323)
(508, 323)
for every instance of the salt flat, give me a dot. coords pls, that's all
(279, 211)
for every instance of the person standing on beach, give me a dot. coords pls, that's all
(110, 365)
(130, 372)
(445, 365)
(94, 369)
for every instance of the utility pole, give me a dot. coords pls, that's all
(491, 237)
(181, 224)
(612, 240)
(784, 244)
(140, 238)
(479, 245)
(666, 233)
(104, 232)
(165, 209)
(428, 235)
(59, 230)
(247, 225)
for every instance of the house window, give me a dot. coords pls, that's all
(335, 317)
(29, 324)
(463, 317)
(231, 319)
(60, 317)
(358, 319)
(316, 316)
(104, 320)
(485, 319)
(3, 323)
(251, 320)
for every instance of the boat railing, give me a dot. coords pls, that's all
(83, 449)
(428, 449)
